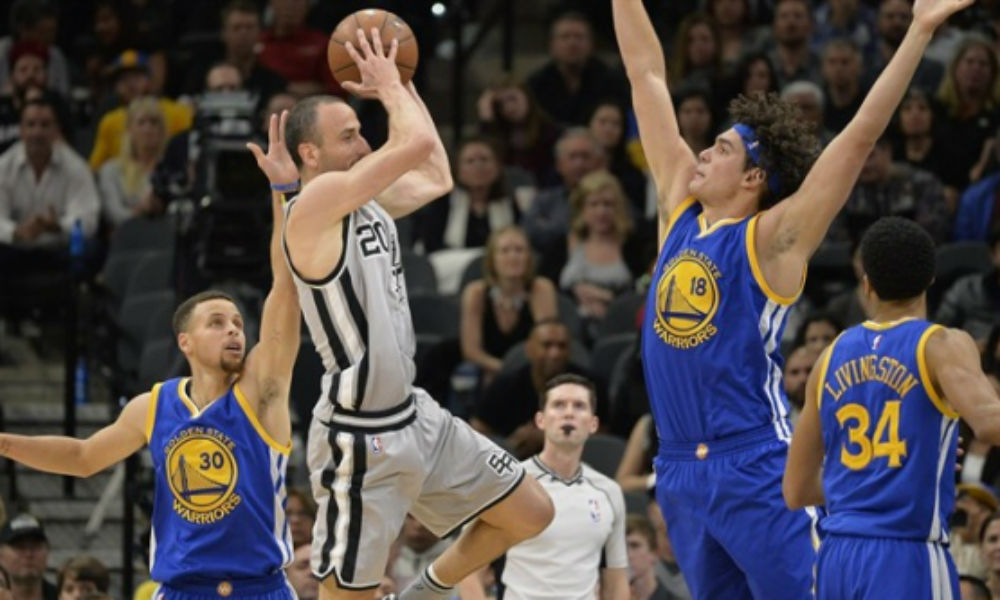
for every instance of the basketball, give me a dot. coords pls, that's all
(390, 28)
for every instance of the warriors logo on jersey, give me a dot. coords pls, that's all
(202, 474)
(687, 297)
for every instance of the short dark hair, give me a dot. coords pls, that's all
(240, 6)
(788, 148)
(43, 100)
(569, 379)
(570, 15)
(25, 14)
(898, 258)
(978, 585)
(183, 313)
(301, 124)
(85, 568)
(306, 499)
(815, 317)
(641, 525)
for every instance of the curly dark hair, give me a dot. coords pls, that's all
(898, 257)
(787, 146)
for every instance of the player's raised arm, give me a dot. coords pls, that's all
(429, 181)
(799, 224)
(332, 195)
(268, 371)
(955, 369)
(670, 160)
(83, 458)
(802, 484)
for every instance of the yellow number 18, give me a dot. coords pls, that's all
(857, 435)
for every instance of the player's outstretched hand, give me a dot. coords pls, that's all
(277, 164)
(378, 69)
(930, 14)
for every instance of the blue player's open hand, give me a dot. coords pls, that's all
(277, 164)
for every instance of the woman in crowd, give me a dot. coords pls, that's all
(817, 331)
(697, 58)
(499, 310)
(737, 32)
(124, 182)
(479, 204)
(300, 510)
(919, 142)
(508, 112)
(694, 118)
(607, 123)
(970, 96)
(596, 271)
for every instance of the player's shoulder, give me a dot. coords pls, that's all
(948, 342)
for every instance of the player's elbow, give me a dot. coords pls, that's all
(988, 433)
(421, 144)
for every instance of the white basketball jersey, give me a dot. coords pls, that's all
(359, 318)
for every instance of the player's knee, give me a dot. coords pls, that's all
(539, 510)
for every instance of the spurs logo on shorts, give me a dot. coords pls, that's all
(202, 474)
(501, 462)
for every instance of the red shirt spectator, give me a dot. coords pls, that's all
(296, 52)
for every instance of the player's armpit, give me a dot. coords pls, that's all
(953, 362)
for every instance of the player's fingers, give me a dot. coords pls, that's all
(282, 121)
(272, 130)
(257, 152)
(393, 50)
(353, 53)
(377, 48)
(366, 48)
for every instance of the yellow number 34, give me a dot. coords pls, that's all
(878, 445)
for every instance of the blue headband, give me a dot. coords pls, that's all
(752, 145)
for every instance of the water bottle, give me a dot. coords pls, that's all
(80, 381)
(76, 247)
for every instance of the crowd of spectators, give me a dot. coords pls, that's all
(545, 245)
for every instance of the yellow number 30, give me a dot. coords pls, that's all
(893, 447)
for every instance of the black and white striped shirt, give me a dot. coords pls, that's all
(359, 318)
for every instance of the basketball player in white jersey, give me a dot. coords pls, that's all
(378, 447)
(586, 539)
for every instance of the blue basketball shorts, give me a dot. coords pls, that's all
(859, 568)
(733, 536)
(272, 587)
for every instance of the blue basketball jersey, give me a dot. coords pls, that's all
(889, 438)
(712, 332)
(219, 503)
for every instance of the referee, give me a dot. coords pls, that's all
(584, 545)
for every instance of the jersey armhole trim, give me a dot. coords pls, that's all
(675, 215)
(925, 375)
(823, 368)
(255, 422)
(337, 268)
(758, 275)
(154, 396)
